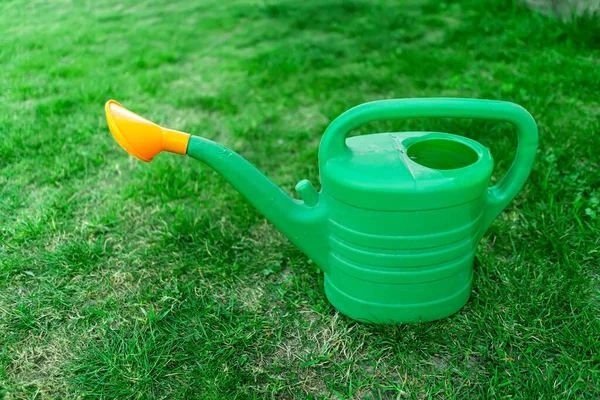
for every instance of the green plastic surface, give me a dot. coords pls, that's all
(397, 222)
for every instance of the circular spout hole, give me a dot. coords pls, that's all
(442, 154)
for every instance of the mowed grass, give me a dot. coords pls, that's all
(121, 279)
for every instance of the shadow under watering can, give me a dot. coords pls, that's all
(397, 222)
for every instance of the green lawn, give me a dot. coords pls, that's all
(122, 279)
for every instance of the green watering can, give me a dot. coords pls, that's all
(397, 222)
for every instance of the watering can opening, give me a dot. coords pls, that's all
(442, 154)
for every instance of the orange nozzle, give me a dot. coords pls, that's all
(141, 138)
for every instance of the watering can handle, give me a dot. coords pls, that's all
(333, 143)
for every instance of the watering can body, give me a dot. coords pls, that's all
(397, 222)
(402, 238)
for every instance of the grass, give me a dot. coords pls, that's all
(120, 279)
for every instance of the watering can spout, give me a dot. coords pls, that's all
(302, 221)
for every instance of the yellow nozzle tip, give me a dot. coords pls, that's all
(115, 109)
(141, 138)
